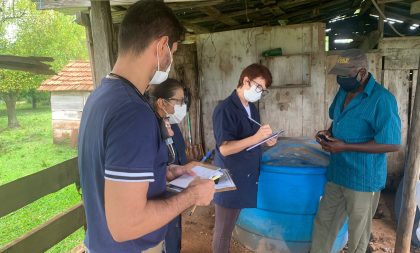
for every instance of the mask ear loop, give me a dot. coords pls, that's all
(168, 103)
(157, 55)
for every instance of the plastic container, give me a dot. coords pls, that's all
(291, 183)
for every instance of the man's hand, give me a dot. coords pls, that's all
(202, 191)
(175, 171)
(333, 145)
(325, 133)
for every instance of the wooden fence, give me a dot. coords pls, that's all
(23, 191)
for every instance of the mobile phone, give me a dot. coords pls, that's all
(323, 137)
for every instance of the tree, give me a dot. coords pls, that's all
(25, 31)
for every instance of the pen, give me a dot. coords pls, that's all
(253, 120)
(214, 178)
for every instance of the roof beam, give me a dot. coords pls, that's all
(64, 4)
(415, 8)
(311, 9)
(117, 16)
(188, 5)
(390, 14)
(195, 28)
(217, 15)
(388, 1)
(231, 14)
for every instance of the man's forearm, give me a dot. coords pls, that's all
(371, 147)
(156, 214)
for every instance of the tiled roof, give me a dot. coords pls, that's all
(75, 76)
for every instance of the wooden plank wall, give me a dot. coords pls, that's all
(401, 56)
(222, 57)
(185, 70)
(67, 110)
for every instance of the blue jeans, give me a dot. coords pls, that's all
(173, 236)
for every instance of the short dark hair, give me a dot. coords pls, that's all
(254, 71)
(145, 21)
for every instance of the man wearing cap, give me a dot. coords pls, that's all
(365, 127)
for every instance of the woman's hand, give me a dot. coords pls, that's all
(264, 132)
(272, 142)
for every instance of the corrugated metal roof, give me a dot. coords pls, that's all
(75, 76)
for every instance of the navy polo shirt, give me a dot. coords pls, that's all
(119, 140)
(371, 115)
(230, 123)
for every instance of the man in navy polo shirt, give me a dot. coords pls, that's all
(122, 157)
(365, 127)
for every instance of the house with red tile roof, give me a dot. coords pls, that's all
(69, 89)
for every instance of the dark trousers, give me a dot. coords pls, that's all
(173, 236)
(224, 225)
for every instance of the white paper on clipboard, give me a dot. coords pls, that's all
(274, 135)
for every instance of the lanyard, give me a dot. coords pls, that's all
(162, 125)
(142, 97)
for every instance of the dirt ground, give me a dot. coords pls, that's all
(198, 230)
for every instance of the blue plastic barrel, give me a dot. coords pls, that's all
(291, 183)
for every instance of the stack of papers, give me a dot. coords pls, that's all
(202, 172)
(225, 182)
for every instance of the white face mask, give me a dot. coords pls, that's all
(161, 76)
(179, 114)
(252, 95)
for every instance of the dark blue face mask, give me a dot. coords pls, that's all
(348, 84)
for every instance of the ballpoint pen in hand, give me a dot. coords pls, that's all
(195, 206)
(253, 120)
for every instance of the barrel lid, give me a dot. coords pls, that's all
(299, 152)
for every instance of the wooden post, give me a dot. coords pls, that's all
(381, 21)
(411, 176)
(103, 39)
(84, 20)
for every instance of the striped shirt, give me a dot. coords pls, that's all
(370, 115)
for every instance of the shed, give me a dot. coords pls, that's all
(69, 89)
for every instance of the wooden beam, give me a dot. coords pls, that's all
(390, 14)
(29, 64)
(49, 234)
(231, 14)
(217, 15)
(117, 16)
(274, 7)
(277, 11)
(193, 5)
(66, 4)
(195, 28)
(25, 190)
(415, 8)
(309, 10)
(388, 1)
(103, 39)
(411, 176)
(324, 16)
(381, 21)
(84, 20)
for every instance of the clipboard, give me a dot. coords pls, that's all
(274, 135)
(225, 182)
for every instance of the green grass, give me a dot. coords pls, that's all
(24, 151)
